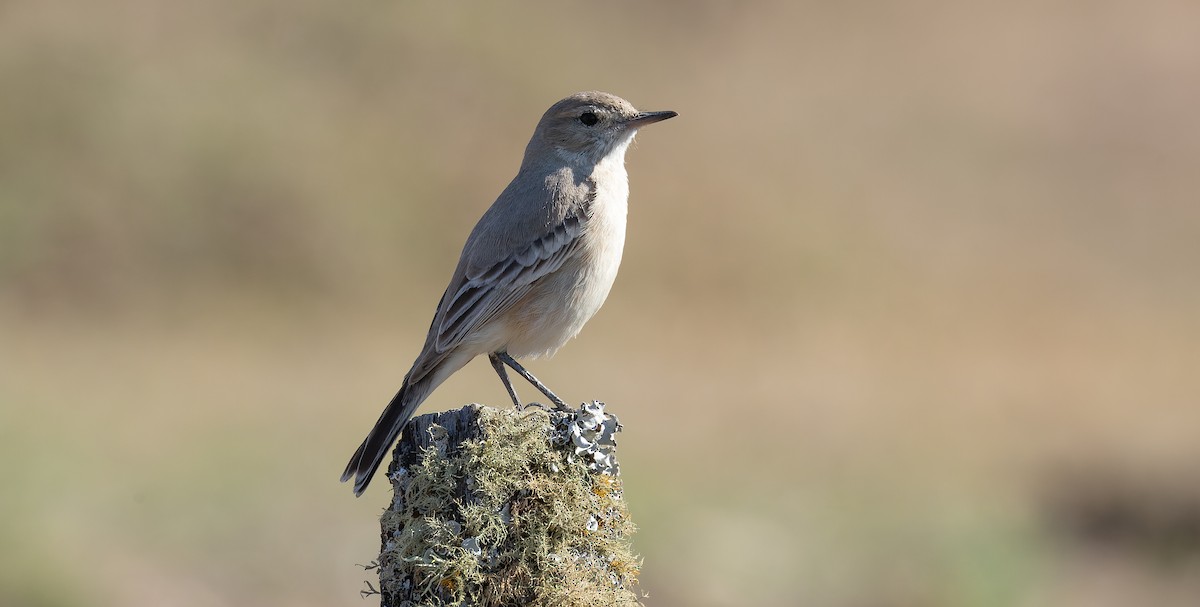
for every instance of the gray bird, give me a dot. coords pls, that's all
(537, 266)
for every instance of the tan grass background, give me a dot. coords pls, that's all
(898, 275)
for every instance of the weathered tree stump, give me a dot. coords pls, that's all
(500, 507)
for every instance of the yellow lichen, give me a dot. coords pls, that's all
(521, 537)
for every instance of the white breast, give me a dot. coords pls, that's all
(606, 233)
(566, 300)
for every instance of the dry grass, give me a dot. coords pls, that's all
(894, 270)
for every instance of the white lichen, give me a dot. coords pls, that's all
(591, 433)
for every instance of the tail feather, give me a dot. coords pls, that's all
(371, 452)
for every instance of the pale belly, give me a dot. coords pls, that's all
(561, 304)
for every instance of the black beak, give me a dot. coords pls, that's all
(644, 118)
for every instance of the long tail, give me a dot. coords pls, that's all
(371, 452)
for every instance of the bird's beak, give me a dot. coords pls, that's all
(644, 118)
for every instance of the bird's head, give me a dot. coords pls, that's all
(586, 127)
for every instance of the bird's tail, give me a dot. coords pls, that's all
(370, 453)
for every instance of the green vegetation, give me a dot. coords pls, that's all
(538, 528)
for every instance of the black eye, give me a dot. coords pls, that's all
(588, 118)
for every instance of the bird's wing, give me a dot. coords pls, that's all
(503, 258)
(484, 293)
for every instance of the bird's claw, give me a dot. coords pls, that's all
(559, 406)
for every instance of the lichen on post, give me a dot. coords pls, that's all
(504, 507)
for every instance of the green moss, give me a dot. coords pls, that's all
(535, 528)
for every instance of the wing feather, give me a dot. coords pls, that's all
(485, 294)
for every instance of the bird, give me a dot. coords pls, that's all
(537, 266)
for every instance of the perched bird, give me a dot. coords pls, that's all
(537, 266)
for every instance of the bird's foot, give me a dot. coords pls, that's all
(559, 406)
(532, 406)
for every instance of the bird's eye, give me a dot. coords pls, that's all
(588, 118)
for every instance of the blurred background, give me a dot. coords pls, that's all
(908, 314)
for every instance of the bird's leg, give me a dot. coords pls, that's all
(559, 404)
(499, 367)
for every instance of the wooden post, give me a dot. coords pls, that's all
(500, 507)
